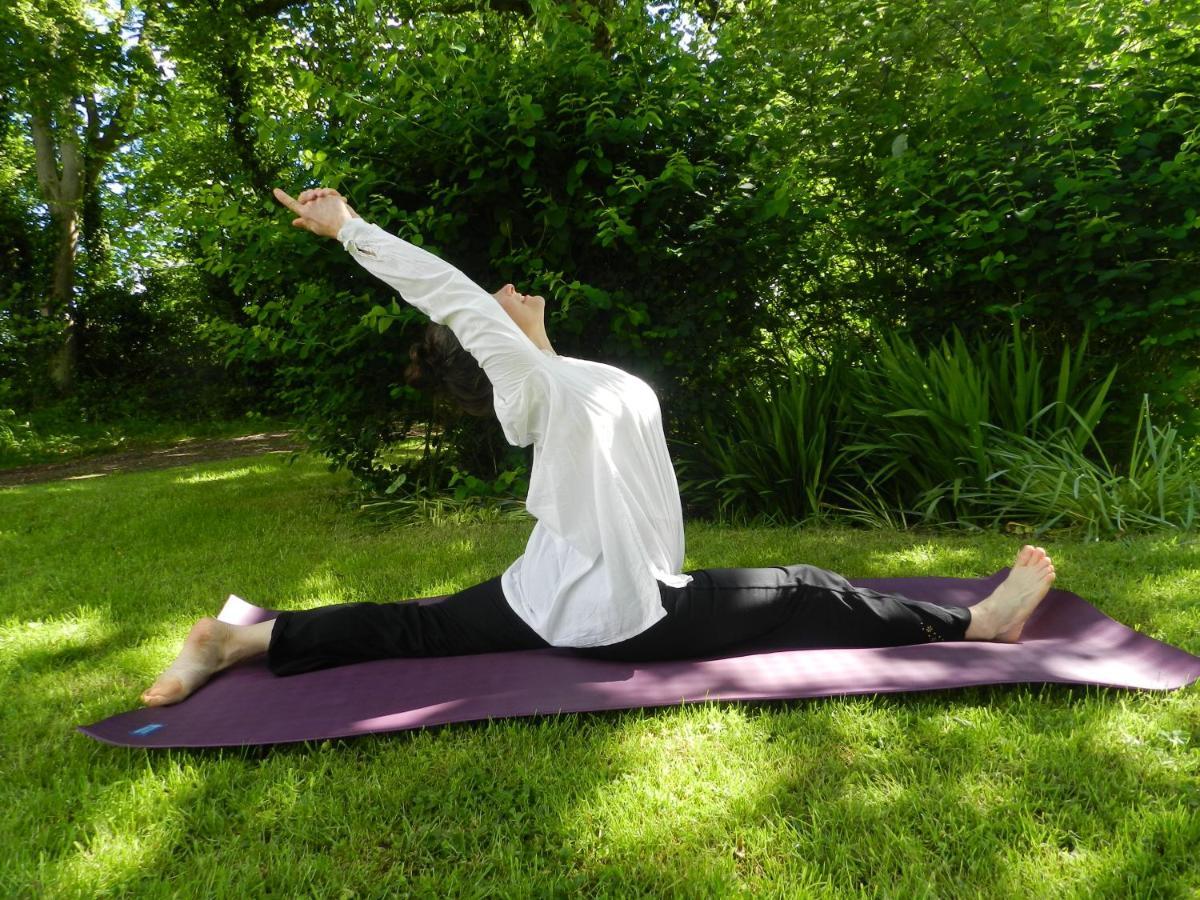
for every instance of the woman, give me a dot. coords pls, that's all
(601, 570)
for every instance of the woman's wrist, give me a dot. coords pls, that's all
(339, 234)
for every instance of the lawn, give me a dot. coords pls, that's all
(997, 791)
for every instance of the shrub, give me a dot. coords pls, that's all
(981, 433)
(954, 163)
(926, 418)
(611, 180)
(1048, 482)
(775, 456)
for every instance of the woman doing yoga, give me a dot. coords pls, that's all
(601, 571)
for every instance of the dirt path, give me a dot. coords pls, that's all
(182, 454)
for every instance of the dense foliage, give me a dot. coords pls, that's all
(705, 192)
(611, 186)
(975, 161)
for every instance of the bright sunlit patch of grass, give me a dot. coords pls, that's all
(928, 556)
(47, 643)
(226, 475)
(324, 585)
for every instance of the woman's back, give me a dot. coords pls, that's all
(610, 526)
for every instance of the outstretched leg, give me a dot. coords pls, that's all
(475, 620)
(1002, 615)
(806, 607)
(783, 607)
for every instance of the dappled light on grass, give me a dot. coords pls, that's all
(930, 559)
(1001, 789)
(324, 586)
(129, 831)
(1154, 587)
(1148, 735)
(440, 588)
(979, 771)
(677, 777)
(1008, 791)
(54, 487)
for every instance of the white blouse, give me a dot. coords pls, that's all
(609, 523)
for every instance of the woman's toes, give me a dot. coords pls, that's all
(163, 691)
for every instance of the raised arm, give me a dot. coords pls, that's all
(432, 285)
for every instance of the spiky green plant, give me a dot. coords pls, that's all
(1056, 482)
(775, 457)
(927, 417)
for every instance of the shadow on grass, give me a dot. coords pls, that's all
(906, 811)
(986, 790)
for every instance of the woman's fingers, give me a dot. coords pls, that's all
(320, 210)
(296, 205)
(289, 202)
(311, 194)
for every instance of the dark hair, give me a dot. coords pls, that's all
(438, 363)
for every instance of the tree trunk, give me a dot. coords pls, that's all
(97, 246)
(62, 192)
(61, 301)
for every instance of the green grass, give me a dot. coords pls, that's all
(1007, 791)
(58, 435)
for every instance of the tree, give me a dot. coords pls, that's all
(78, 74)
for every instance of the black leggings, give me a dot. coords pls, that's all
(720, 610)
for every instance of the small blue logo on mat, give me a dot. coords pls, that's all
(147, 729)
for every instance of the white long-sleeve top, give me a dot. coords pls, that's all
(609, 523)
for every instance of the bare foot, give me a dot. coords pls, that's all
(205, 652)
(1003, 614)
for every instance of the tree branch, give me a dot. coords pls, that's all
(92, 125)
(522, 7)
(271, 8)
(115, 132)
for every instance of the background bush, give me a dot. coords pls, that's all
(992, 432)
(610, 183)
(953, 164)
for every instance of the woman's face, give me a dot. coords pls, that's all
(527, 311)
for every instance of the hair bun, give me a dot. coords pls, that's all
(441, 364)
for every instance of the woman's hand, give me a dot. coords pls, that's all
(322, 211)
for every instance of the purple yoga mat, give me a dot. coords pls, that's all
(1067, 640)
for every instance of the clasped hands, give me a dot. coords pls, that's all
(322, 211)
